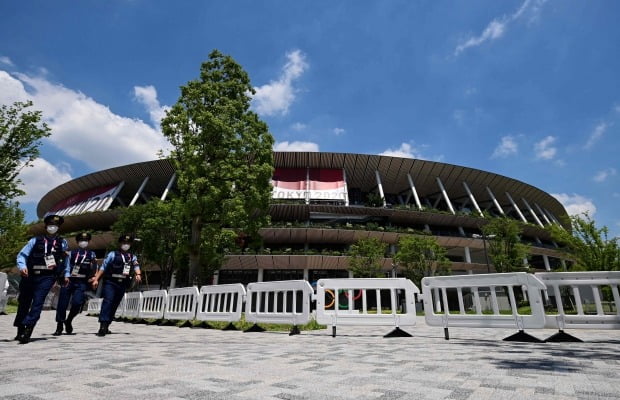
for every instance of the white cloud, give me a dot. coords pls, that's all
(544, 149)
(576, 204)
(277, 96)
(596, 134)
(147, 95)
(296, 146)
(338, 131)
(6, 60)
(505, 148)
(601, 176)
(405, 150)
(298, 126)
(82, 128)
(498, 26)
(41, 177)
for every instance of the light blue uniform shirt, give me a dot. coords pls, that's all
(110, 257)
(68, 261)
(22, 256)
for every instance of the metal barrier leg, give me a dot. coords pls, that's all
(397, 332)
(255, 328)
(334, 331)
(230, 327)
(186, 324)
(521, 336)
(294, 330)
(562, 336)
(446, 334)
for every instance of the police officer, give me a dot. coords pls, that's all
(116, 269)
(40, 262)
(81, 265)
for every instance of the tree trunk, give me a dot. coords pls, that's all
(194, 250)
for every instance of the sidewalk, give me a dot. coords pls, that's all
(152, 362)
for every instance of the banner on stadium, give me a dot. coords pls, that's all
(97, 199)
(309, 183)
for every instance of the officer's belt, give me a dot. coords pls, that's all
(119, 276)
(78, 276)
(41, 267)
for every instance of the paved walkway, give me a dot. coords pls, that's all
(152, 362)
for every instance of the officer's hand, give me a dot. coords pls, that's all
(66, 282)
(95, 283)
(24, 272)
(138, 278)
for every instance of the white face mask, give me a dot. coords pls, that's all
(51, 229)
(83, 245)
(125, 247)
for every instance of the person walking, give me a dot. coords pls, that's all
(81, 266)
(116, 270)
(40, 262)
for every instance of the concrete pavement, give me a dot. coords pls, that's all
(153, 362)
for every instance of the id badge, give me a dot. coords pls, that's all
(50, 262)
(76, 270)
(126, 268)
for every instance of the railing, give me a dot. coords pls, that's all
(221, 303)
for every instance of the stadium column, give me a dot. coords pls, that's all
(495, 202)
(445, 195)
(529, 208)
(414, 192)
(517, 209)
(380, 187)
(472, 198)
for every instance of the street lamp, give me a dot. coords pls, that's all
(484, 244)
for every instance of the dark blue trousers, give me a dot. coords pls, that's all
(32, 293)
(113, 293)
(74, 292)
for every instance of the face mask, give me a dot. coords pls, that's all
(51, 229)
(83, 245)
(125, 247)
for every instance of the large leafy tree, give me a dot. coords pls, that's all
(160, 228)
(223, 156)
(419, 256)
(506, 251)
(13, 234)
(20, 133)
(365, 258)
(588, 246)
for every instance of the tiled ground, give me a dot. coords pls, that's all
(152, 362)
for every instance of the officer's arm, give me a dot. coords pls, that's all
(68, 265)
(136, 269)
(101, 270)
(23, 255)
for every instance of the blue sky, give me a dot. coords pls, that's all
(529, 89)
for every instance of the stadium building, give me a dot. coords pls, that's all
(324, 202)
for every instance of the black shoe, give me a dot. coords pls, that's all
(68, 327)
(58, 329)
(20, 330)
(24, 337)
(103, 329)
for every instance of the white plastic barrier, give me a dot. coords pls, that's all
(4, 286)
(132, 304)
(121, 307)
(364, 301)
(153, 304)
(579, 297)
(94, 306)
(279, 302)
(473, 284)
(221, 303)
(182, 303)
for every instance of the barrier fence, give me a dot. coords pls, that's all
(574, 300)
(4, 285)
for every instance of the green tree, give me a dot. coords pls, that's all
(506, 251)
(420, 256)
(160, 228)
(13, 234)
(365, 258)
(20, 133)
(223, 156)
(589, 247)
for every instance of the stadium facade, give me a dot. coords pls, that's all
(324, 202)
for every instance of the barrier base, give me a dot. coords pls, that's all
(203, 324)
(562, 336)
(397, 332)
(334, 331)
(230, 327)
(155, 322)
(186, 324)
(167, 322)
(255, 328)
(521, 336)
(446, 334)
(294, 330)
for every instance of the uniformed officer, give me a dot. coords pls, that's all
(40, 263)
(116, 269)
(81, 265)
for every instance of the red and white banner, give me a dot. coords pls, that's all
(309, 183)
(97, 199)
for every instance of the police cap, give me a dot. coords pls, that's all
(53, 219)
(125, 239)
(83, 236)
